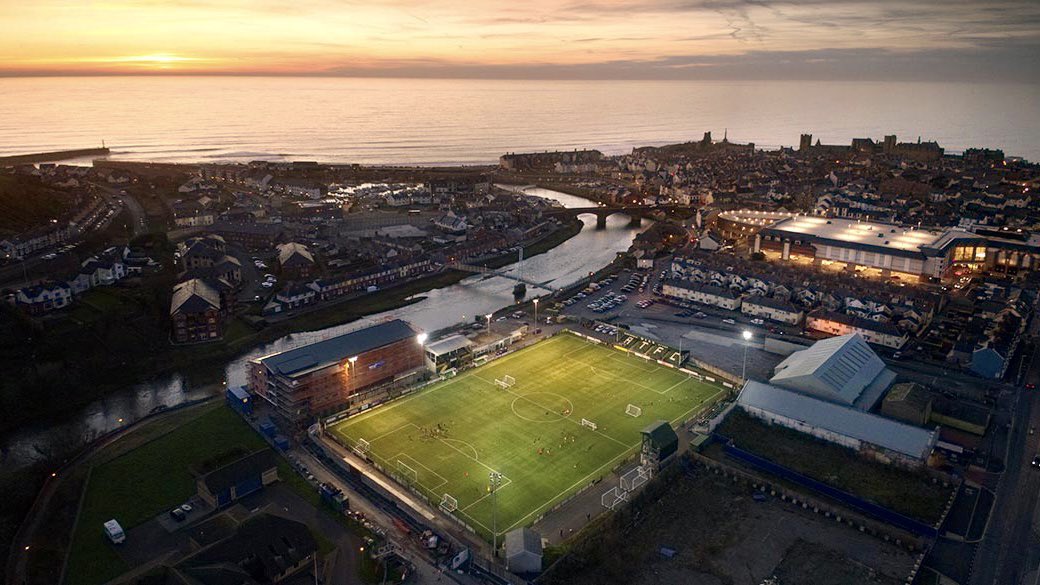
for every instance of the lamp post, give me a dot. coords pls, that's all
(489, 315)
(536, 311)
(743, 370)
(350, 376)
(495, 478)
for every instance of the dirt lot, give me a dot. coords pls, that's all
(721, 536)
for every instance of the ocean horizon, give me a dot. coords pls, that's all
(465, 121)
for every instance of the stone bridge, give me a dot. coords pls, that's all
(602, 212)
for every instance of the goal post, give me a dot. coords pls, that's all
(634, 478)
(509, 380)
(588, 423)
(362, 446)
(633, 410)
(505, 382)
(448, 503)
(613, 497)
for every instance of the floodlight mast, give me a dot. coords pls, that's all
(743, 370)
(495, 478)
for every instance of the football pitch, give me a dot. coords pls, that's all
(448, 438)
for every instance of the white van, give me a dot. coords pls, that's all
(114, 532)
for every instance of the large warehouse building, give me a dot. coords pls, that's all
(323, 377)
(886, 249)
(874, 436)
(840, 369)
(827, 390)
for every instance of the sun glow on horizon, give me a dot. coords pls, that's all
(623, 37)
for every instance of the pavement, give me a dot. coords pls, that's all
(1010, 550)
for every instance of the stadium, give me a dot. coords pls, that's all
(541, 423)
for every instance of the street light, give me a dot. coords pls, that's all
(495, 478)
(489, 322)
(350, 378)
(536, 310)
(743, 370)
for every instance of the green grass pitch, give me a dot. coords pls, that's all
(447, 438)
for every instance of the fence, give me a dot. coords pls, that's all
(856, 503)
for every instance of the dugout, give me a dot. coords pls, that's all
(659, 443)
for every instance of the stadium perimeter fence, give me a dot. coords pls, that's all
(854, 502)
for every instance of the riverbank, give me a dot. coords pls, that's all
(205, 364)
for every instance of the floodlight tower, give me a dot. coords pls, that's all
(421, 338)
(349, 374)
(495, 478)
(743, 370)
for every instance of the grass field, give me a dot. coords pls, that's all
(447, 438)
(146, 481)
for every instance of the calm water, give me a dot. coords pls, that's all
(468, 121)
(589, 250)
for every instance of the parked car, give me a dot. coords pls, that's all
(729, 321)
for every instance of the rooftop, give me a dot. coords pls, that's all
(888, 237)
(306, 359)
(866, 427)
(840, 369)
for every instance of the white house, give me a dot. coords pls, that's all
(772, 309)
(43, 298)
(706, 294)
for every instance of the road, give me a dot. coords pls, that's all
(138, 218)
(1010, 550)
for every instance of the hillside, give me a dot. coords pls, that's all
(26, 203)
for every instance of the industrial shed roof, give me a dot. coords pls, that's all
(840, 369)
(869, 428)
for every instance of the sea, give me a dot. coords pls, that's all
(448, 122)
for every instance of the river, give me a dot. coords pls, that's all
(588, 251)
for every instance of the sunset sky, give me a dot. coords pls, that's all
(732, 39)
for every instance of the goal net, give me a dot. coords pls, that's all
(407, 472)
(362, 446)
(588, 423)
(449, 504)
(633, 410)
(634, 478)
(613, 497)
(505, 382)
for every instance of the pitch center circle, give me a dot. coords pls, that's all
(542, 407)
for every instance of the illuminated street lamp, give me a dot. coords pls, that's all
(536, 310)
(350, 376)
(743, 370)
(489, 321)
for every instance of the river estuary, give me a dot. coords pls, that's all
(588, 251)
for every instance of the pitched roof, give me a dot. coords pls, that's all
(849, 422)
(839, 369)
(294, 252)
(315, 356)
(194, 296)
(223, 478)
(523, 540)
